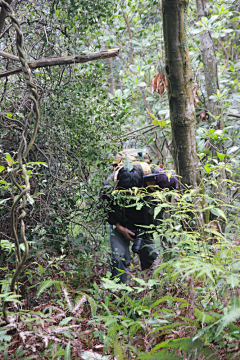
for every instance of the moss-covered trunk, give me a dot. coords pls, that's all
(179, 77)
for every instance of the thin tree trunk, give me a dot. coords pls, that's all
(110, 72)
(179, 77)
(211, 79)
(209, 59)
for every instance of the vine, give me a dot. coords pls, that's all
(23, 150)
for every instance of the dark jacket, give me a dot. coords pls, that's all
(128, 215)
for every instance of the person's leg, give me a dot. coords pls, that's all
(121, 257)
(148, 253)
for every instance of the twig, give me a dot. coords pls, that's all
(153, 127)
(130, 35)
(226, 54)
(144, 127)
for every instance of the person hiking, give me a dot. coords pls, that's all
(126, 220)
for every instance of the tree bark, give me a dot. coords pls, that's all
(209, 59)
(110, 72)
(82, 58)
(3, 16)
(179, 77)
(211, 79)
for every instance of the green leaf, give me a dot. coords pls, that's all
(150, 98)
(207, 167)
(218, 212)
(1, 168)
(228, 318)
(142, 84)
(65, 321)
(59, 353)
(67, 354)
(157, 210)
(9, 160)
(46, 284)
(67, 334)
(168, 298)
(133, 68)
(162, 122)
(152, 116)
(41, 268)
(118, 93)
(149, 141)
(203, 317)
(4, 200)
(30, 199)
(172, 343)
(232, 149)
(220, 156)
(164, 354)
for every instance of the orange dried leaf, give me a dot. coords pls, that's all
(158, 84)
(195, 95)
(203, 116)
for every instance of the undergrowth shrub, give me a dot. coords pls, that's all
(190, 307)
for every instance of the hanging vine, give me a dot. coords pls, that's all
(18, 208)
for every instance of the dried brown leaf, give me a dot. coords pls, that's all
(195, 95)
(158, 84)
(207, 144)
(203, 116)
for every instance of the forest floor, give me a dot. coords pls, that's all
(59, 305)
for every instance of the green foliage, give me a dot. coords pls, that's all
(189, 307)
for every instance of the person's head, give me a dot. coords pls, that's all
(129, 179)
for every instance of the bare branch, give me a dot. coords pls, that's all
(139, 129)
(82, 58)
(9, 56)
(226, 54)
(130, 35)
(234, 115)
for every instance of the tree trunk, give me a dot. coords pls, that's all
(179, 77)
(209, 59)
(110, 72)
(211, 79)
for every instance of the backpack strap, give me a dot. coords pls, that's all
(118, 168)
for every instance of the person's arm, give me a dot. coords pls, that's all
(126, 232)
(111, 219)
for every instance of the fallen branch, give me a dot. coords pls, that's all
(67, 60)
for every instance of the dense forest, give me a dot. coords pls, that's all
(80, 82)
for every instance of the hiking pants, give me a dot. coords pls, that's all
(121, 256)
